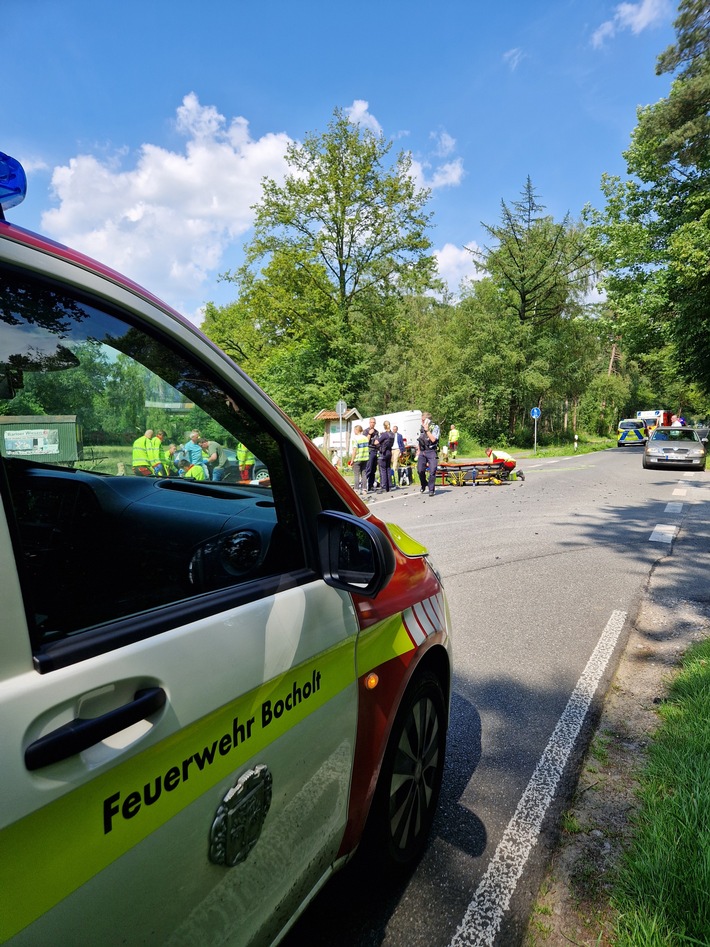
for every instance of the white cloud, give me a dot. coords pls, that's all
(449, 174)
(513, 58)
(358, 113)
(445, 143)
(456, 265)
(633, 16)
(167, 221)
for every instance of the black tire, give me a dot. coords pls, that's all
(407, 791)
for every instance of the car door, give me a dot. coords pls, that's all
(177, 693)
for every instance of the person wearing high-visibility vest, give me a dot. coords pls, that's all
(358, 458)
(505, 460)
(142, 460)
(246, 461)
(453, 442)
(158, 455)
(193, 452)
(168, 460)
(190, 471)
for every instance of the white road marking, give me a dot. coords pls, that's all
(484, 914)
(679, 493)
(663, 533)
(673, 508)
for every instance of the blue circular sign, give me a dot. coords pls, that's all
(535, 413)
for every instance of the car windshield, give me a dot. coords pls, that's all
(675, 434)
(631, 425)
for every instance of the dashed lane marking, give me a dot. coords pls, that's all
(675, 508)
(663, 533)
(484, 914)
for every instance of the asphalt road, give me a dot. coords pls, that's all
(536, 572)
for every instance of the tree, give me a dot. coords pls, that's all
(335, 249)
(542, 267)
(653, 239)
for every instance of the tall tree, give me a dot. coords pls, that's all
(335, 248)
(653, 237)
(541, 266)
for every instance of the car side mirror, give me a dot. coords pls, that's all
(355, 555)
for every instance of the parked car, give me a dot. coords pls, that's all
(631, 431)
(260, 472)
(211, 693)
(675, 447)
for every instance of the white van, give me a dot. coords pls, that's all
(408, 424)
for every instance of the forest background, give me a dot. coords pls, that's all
(589, 320)
(339, 298)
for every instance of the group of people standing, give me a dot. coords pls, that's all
(376, 452)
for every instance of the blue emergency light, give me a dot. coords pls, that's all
(13, 183)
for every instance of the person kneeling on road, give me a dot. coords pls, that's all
(506, 462)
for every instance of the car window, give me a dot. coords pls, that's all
(115, 509)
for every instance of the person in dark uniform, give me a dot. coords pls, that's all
(427, 446)
(372, 434)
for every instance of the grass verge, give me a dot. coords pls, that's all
(662, 891)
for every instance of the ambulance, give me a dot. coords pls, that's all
(211, 694)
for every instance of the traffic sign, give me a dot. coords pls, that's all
(341, 407)
(535, 413)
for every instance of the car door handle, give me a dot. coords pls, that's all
(80, 734)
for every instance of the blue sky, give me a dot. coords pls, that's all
(146, 127)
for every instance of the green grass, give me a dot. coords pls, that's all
(471, 450)
(106, 458)
(663, 887)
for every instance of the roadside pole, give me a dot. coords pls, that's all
(535, 414)
(341, 408)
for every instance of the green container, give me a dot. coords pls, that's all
(51, 439)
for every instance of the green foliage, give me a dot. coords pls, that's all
(334, 302)
(336, 249)
(653, 238)
(603, 403)
(541, 267)
(662, 891)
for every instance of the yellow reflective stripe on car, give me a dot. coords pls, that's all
(53, 851)
(406, 545)
(386, 640)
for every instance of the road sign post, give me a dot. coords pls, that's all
(341, 409)
(535, 414)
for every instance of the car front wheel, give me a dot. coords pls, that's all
(408, 788)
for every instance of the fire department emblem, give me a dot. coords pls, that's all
(240, 818)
